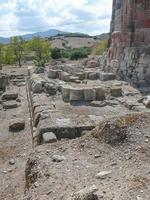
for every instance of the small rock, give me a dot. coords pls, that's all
(11, 161)
(139, 198)
(36, 184)
(85, 194)
(103, 174)
(97, 156)
(128, 157)
(16, 124)
(146, 141)
(58, 158)
(10, 170)
(146, 101)
(49, 137)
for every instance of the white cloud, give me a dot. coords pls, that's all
(22, 16)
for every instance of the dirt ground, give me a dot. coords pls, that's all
(35, 175)
(15, 146)
(85, 157)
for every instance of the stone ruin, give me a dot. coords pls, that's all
(129, 52)
(69, 99)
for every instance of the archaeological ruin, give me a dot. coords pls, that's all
(80, 130)
(129, 52)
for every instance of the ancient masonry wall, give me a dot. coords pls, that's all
(129, 53)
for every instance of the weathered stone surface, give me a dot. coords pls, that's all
(49, 137)
(65, 76)
(93, 76)
(100, 93)
(3, 81)
(76, 94)
(89, 94)
(37, 86)
(16, 124)
(129, 52)
(9, 96)
(66, 93)
(98, 103)
(146, 101)
(116, 91)
(50, 88)
(73, 79)
(36, 83)
(93, 63)
(10, 104)
(58, 158)
(107, 76)
(81, 75)
(52, 73)
(87, 193)
(87, 73)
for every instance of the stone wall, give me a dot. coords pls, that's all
(129, 52)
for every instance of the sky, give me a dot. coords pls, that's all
(18, 17)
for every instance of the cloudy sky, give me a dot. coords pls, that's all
(27, 16)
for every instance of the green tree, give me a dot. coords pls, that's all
(1, 55)
(8, 52)
(17, 45)
(41, 49)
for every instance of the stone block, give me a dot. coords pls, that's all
(3, 82)
(10, 104)
(87, 74)
(50, 88)
(76, 94)
(100, 93)
(9, 96)
(89, 94)
(52, 74)
(74, 78)
(81, 75)
(116, 91)
(93, 76)
(107, 76)
(65, 90)
(65, 76)
(37, 86)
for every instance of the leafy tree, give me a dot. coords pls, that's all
(1, 55)
(17, 44)
(9, 57)
(41, 49)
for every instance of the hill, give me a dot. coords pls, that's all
(45, 34)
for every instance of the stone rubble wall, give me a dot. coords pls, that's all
(132, 66)
(129, 52)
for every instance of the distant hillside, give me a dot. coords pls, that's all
(53, 34)
(45, 34)
(102, 36)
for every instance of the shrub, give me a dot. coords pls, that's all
(80, 53)
(56, 53)
(101, 47)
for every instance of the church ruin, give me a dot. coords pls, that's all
(129, 52)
